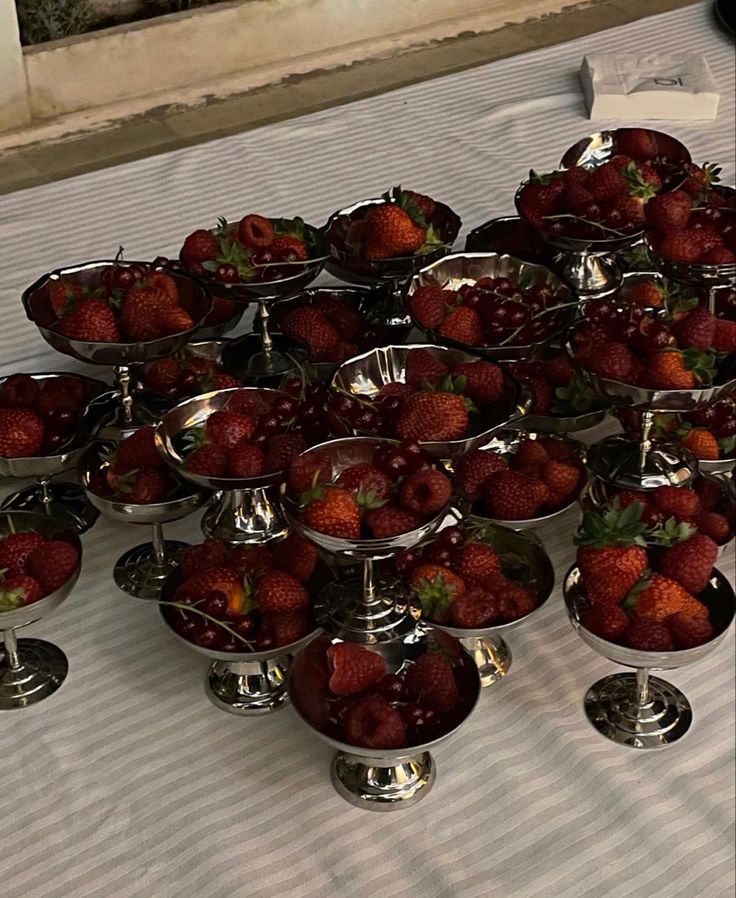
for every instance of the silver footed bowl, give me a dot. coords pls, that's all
(343, 454)
(347, 266)
(36, 301)
(592, 151)
(718, 596)
(49, 528)
(365, 374)
(172, 429)
(696, 274)
(457, 269)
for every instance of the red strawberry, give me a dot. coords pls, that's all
(221, 382)
(390, 231)
(464, 325)
(474, 609)
(431, 682)
(688, 632)
(609, 555)
(473, 468)
(162, 375)
(353, 668)
(346, 320)
(680, 246)
(199, 246)
(291, 248)
(255, 231)
(709, 492)
(199, 558)
(696, 329)
(21, 433)
(662, 597)
(227, 428)
(699, 180)
(216, 579)
(425, 203)
(19, 391)
(484, 381)
(538, 200)
(374, 723)
(511, 495)
(245, 460)
(208, 461)
(529, 457)
(306, 470)
(139, 451)
(250, 560)
(476, 563)
(606, 621)
(311, 327)
(175, 320)
(577, 199)
(64, 295)
(558, 370)
(422, 365)
(637, 143)
(282, 449)
(425, 492)
(16, 549)
(646, 294)
(701, 443)
(670, 369)
(92, 321)
(690, 562)
(612, 360)
(606, 182)
(19, 589)
(714, 525)
(724, 337)
(140, 312)
(366, 479)
(649, 636)
(246, 402)
(332, 510)
(679, 502)
(668, 211)
(429, 305)
(396, 388)
(432, 416)
(279, 591)
(52, 564)
(437, 588)
(560, 450)
(717, 255)
(542, 395)
(389, 521)
(286, 627)
(562, 481)
(144, 486)
(297, 556)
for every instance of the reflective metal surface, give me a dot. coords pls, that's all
(597, 148)
(629, 464)
(245, 358)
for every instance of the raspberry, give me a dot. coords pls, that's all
(425, 492)
(606, 621)
(373, 723)
(353, 668)
(431, 682)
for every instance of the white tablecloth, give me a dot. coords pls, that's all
(128, 783)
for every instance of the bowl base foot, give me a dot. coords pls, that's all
(612, 707)
(383, 784)
(343, 610)
(65, 502)
(245, 516)
(249, 688)
(492, 657)
(139, 574)
(619, 461)
(43, 668)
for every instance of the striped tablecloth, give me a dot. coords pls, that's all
(128, 783)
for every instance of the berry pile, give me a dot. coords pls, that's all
(134, 471)
(607, 202)
(246, 598)
(371, 708)
(402, 225)
(394, 491)
(642, 597)
(679, 351)
(257, 432)
(130, 303)
(32, 567)
(432, 402)
(539, 477)
(459, 579)
(38, 417)
(189, 375)
(491, 312)
(557, 389)
(255, 249)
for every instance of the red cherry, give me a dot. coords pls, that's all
(227, 273)
(393, 688)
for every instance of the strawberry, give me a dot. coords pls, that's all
(353, 668)
(144, 486)
(19, 589)
(699, 180)
(680, 246)
(560, 450)
(286, 627)
(422, 365)
(437, 588)
(174, 320)
(227, 428)
(279, 591)
(696, 329)
(576, 199)
(474, 609)
(529, 457)
(52, 564)
(668, 211)
(714, 525)
(606, 183)
(245, 402)
(690, 562)
(537, 200)
(64, 295)
(679, 502)
(476, 563)
(646, 294)
(688, 632)
(390, 231)
(709, 492)
(425, 492)
(701, 443)
(332, 510)
(346, 320)
(724, 336)
(297, 556)
(16, 549)
(464, 325)
(207, 461)
(395, 388)
(512, 496)
(199, 558)
(429, 305)
(140, 312)
(612, 360)
(289, 247)
(717, 255)
(649, 636)
(432, 416)
(606, 621)
(21, 433)
(542, 395)
(473, 468)
(389, 521)
(162, 281)
(484, 381)
(373, 722)
(162, 375)
(431, 682)
(611, 554)
(558, 370)
(19, 391)
(282, 449)
(424, 202)
(672, 369)
(92, 321)
(310, 326)
(366, 479)
(638, 143)
(250, 560)
(660, 597)
(221, 382)
(245, 460)
(199, 246)
(139, 450)
(255, 231)
(216, 579)
(562, 481)
(306, 470)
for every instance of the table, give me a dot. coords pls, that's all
(128, 783)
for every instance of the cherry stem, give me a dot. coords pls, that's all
(213, 620)
(595, 224)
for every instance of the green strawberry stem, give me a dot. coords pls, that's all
(213, 620)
